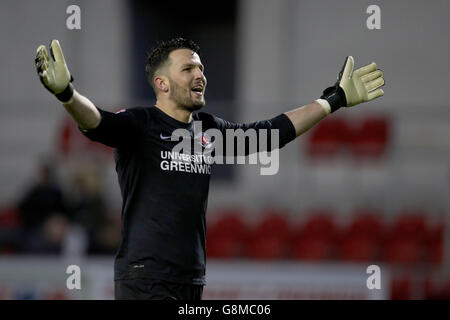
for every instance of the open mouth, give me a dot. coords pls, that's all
(198, 91)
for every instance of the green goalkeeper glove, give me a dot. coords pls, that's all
(53, 71)
(354, 87)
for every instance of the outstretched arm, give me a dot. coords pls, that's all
(83, 111)
(122, 129)
(304, 118)
(56, 78)
(351, 88)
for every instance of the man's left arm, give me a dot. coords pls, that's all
(352, 88)
(304, 118)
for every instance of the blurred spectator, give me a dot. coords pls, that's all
(9, 230)
(108, 237)
(54, 231)
(88, 209)
(43, 214)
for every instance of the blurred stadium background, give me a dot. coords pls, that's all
(366, 186)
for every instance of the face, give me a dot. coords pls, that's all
(186, 79)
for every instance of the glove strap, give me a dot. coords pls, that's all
(66, 95)
(335, 97)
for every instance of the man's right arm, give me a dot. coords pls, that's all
(83, 111)
(56, 78)
(120, 129)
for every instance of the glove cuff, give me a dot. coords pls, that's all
(325, 105)
(335, 97)
(66, 95)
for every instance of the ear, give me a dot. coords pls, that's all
(161, 83)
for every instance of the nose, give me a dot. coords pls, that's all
(199, 75)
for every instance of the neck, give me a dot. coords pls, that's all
(174, 111)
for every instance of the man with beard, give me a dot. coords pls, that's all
(162, 253)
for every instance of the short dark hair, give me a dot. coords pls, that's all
(159, 55)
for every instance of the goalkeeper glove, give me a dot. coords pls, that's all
(354, 87)
(53, 71)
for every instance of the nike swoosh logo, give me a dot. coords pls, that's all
(165, 137)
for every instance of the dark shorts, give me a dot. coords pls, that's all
(152, 289)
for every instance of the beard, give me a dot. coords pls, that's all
(183, 98)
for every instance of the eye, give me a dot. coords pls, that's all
(187, 69)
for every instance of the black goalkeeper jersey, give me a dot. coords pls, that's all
(165, 193)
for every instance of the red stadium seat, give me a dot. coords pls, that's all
(315, 240)
(400, 288)
(410, 225)
(371, 138)
(225, 236)
(273, 224)
(437, 289)
(312, 249)
(406, 242)
(435, 253)
(9, 222)
(267, 248)
(362, 238)
(223, 247)
(9, 218)
(404, 251)
(229, 223)
(269, 238)
(367, 224)
(320, 224)
(328, 137)
(434, 243)
(357, 249)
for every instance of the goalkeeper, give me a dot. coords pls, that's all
(162, 253)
